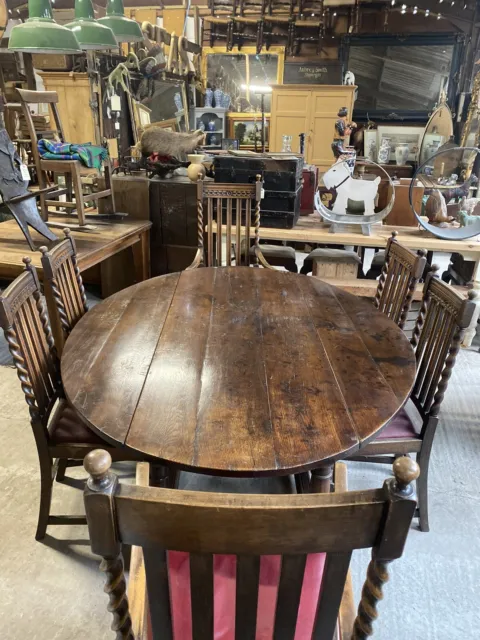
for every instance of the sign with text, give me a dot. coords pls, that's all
(324, 72)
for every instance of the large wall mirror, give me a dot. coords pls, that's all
(237, 73)
(402, 77)
(167, 100)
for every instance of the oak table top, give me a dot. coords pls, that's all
(237, 371)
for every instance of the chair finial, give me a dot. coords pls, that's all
(67, 232)
(43, 249)
(422, 253)
(97, 464)
(472, 294)
(405, 471)
(394, 234)
(27, 261)
(434, 268)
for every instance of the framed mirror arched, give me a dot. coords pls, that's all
(438, 132)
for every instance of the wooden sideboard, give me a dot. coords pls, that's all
(311, 109)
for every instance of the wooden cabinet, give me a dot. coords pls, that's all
(73, 104)
(309, 109)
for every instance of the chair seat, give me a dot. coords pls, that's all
(276, 251)
(334, 255)
(224, 585)
(400, 427)
(67, 428)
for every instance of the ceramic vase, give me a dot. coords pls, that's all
(286, 144)
(226, 101)
(209, 97)
(195, 169)
(218, 95)
(371, 150)
(384, 151)
(177, 98)
(402, 152)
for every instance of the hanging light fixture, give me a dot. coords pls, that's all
(89, 33)
(41, 34)
(124, 29)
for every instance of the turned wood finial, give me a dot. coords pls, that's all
(67, 232)
(258, 177)
(472, 295)
(394, 234)
(43, 249)
(434, 268)
(422, 253)
(27, 262)
(97, 464)
(405, 471)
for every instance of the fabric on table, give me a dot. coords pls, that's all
(88, 154)
(224, 584)
(400, 427)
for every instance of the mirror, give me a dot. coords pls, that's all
(168, 104)
(471, 130)
(438, 132)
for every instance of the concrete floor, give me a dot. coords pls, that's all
(54, 590)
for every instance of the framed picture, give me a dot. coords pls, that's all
(247, 127)
(213, 139)
(399, 135)
(370, 144)
(229, 144)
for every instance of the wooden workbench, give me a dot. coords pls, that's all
(100, 246)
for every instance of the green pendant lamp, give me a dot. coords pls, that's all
(89, 33)
(41, 34)
(124, 29)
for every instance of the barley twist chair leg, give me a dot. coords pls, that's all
(116, 588)
(377, 576)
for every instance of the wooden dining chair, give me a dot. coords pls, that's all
(267, 564)
(59, 434)
(64, 292)
(440, 326)
(73, 170)
(400, 275)
(234, 208)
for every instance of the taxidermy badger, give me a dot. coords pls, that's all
(167, 144)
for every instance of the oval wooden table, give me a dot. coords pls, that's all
(238, 371)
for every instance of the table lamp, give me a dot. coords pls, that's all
(124, 29)
(88, 31)
(41, 34)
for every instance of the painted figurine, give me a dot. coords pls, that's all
(343, 129)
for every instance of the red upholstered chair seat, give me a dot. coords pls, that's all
(400, 427)
(224, 582)
(67, 428)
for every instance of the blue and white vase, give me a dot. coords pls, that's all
(209, 97)
(226, 101)
(177, 98)
(218, 95)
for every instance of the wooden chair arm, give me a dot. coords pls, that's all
(137, 584)
(347, 613)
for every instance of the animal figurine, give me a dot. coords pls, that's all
(435, 208)
(462, 191)
(470, 205)
(465, 220)
(169, 144)
(343, 129)
(338, 177)
(349, 78)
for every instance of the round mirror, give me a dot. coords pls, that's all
(447, 207)
(438, 132)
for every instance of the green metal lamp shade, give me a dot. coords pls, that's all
(41, 34)
(124, 29)
(89, 33)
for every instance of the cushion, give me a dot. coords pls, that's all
(224, 567)
(379, 258)
(400, 427)
(275, 251)
(334, 255)
(67, 428)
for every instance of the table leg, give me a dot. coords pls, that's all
(472, 329)
(141, 257)
(322, 479)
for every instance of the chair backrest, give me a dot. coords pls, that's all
(438, 332)
(23, 318)
(400, 274)
(65, 286)
(231, 206)
(249, 527)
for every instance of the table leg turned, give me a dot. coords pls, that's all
(141, 257)
(322, 479)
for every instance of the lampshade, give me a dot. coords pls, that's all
(41, 34)
(89, 33)
(124, 29)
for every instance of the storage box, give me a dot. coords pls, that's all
(278, 174)
(280, 209)
(310, 182)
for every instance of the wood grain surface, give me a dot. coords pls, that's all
(237, 371)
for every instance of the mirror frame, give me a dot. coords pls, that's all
(418, 39)
(442, 105)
